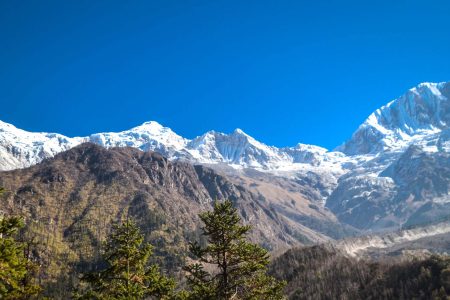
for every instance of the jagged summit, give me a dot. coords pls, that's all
(148, 136)
(430, 85)
(152, 123)
(20, 148)
(150, 126)
(239, 131)
(421, 112)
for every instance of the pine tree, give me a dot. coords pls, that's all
(238, 266)
(15, 268)
(128, 274)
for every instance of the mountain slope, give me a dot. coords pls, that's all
(400, 241)
(71, 200)
(404, 179)
(325, 272)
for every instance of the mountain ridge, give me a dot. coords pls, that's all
(20, 148)
(422, 112)
(391, 172)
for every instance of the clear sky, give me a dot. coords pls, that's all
(283, 71)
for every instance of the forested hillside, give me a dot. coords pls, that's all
(323, 272)
(70, 202)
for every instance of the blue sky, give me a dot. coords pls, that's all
(283, 71)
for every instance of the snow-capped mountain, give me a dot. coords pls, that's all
(148, 136)
(419, 116)
(20, 148)
(236, 148)
(394, 171)
(240, 150)
(405, 177)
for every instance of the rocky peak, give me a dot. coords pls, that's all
(420, 112)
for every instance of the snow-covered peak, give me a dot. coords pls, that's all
(436, 86)
(239, 131)
(20, 148)
(422, 111)
(236, 148)
(150, 126)
(310, 148)
(240, 150)
(148, 136)
(6, 126)
(420, 116)
(11, 135)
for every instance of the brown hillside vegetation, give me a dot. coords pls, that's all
(323, 272)
(69, 203)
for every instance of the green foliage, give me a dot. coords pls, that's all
(238, 267)
(128, 274)
(16, 269)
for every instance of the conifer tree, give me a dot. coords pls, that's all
(128, 274)
(15, 281)
(229, 267)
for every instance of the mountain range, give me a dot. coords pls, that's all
(384, 192)
(393, 172)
